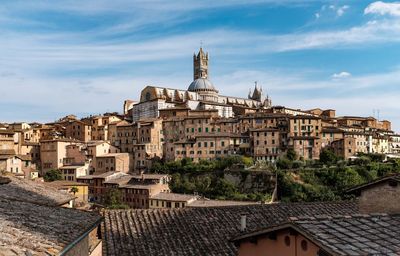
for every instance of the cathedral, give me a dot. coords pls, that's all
(200, 95)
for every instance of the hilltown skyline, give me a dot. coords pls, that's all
(326, 55)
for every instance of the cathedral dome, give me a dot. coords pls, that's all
(201, 84)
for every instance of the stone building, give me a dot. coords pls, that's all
(136, 190)
(78, 130)
(53, 153)
(118, 162)
(345, 147)
(200, 95)
(379, 196)
(99, 124)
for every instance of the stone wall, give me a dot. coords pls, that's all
(381, 198)
(80, 249)
(251, 181)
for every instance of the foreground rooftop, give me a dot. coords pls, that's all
(31, 229)
(13, 188)
(198, 231)
(357, 234)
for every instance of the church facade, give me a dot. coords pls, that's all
(200, 95)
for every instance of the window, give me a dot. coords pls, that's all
(206, 129)
(222, 143)
(304, 245)
(287, 240)
(199, 144)
(199, 129)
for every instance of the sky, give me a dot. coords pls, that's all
(87, 57)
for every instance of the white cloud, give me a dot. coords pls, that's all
(341, 75)
(340, 10)
(337, 10)
(383, 8)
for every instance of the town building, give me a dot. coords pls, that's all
(324, 235)
(78, 130)
(53, 152)
(200, 95)
(65, 186)
(171, 200)
(118, 162)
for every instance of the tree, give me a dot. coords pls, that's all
(113, 199)
(74, 190)
(52, 175)
(328, 157)
(283, 163)
(291, 154)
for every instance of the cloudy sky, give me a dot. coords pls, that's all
(87, 57)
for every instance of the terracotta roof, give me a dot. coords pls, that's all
(31, 223)
(63, 183)
(122, 180)
(102, 175)
(218, 203)
(174, 197)
(113, 155)
(31, 229)
(24, 157)
(139, 186)
(198, 231)
(7, 152)
(375, 234)
(32, 192)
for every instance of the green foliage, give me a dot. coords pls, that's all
(113, 199)
(328, 157)
(291, 154)
(52, 175)
(247, 161)
(74, 190)
(283, 163)
(188, 166)
(323, 180)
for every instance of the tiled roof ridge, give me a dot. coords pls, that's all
(287, 204)
(338, 216)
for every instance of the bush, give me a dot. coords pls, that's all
(328, 157)
(283, 163)
(291, 154)
(52, 175)
(113, 199)
(297, 164)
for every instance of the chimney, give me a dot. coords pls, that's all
(243, 222)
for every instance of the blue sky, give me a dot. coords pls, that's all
(87, 57)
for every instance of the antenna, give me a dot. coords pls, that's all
(379, 114)
(373, 113)
(201, 43)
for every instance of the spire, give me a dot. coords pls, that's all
(201, 53)
(200, 65)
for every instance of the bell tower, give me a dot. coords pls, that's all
(200, 65)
